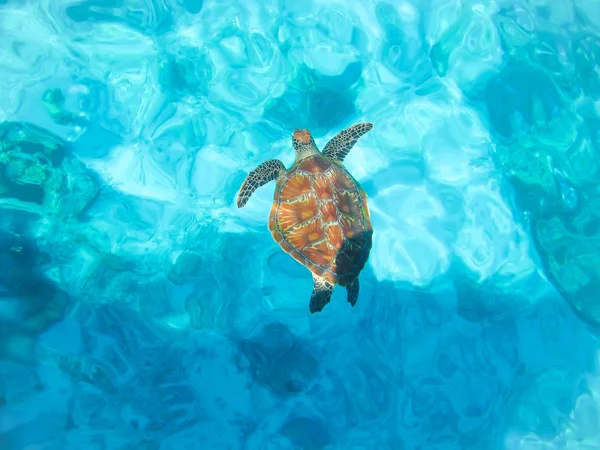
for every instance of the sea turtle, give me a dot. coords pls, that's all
(320, 214)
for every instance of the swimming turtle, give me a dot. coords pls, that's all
(320, 214)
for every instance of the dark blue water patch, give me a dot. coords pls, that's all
(586, 51)
(192, 6)
(41, 306)
(24, 192)
(534, 198)
(319, 111)
(478, 302)
(186, 71)
(315, 101)
(188, 266)
(439, 58)
(548, 52)
(18, 223)
(390, 21)
(39, 303)
(403, 55)
(287, 109)
(306, 433)
(149, 18)
(310, 78)
(510, 96)
(94, 10)
(359, 40)
(35, 433)
(279, 360)
(19, 260)
(329, 108)
(13, 2)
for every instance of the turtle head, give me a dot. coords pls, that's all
(304, 144)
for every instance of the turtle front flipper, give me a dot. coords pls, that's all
(338, 147)
(268, 171)
(353, 292)
(321, 294)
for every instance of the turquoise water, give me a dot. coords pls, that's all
(140, 309)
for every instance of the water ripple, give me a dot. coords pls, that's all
(139, 308)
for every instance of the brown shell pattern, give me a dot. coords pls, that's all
(320, 217)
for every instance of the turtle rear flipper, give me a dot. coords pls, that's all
(321, 294)
(338, 147)
(268, 171)
(353, 292)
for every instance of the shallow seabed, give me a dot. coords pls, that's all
(139, 309)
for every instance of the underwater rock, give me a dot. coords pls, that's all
(552, 163)
(39, 174)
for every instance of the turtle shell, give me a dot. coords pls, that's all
(321, 218)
